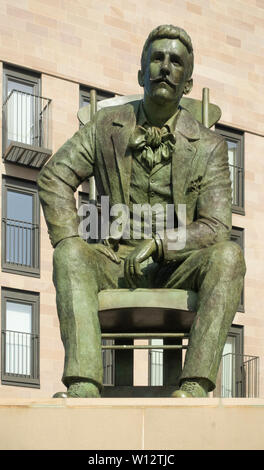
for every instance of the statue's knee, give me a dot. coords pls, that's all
(229, 256)
(70, 251)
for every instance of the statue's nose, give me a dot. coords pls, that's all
(165, 67)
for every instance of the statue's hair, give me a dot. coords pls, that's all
(171, 32)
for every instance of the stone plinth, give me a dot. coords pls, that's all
(149, 424)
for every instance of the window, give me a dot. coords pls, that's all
(100, 95)
(26, 120)
(83, 201)
(238, 374)
(231, 369)
(237, 236)
(84, 116)
(20, 227)
(20, 338)
(91, 233)
(107, 354)
(83, 198)
(156, 363)
(235, 142)
(20, 89)
(231, 366)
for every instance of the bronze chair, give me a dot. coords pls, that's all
(127, 314)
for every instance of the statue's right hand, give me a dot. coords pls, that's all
(107, 251)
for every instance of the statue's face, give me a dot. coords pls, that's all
(165, 76)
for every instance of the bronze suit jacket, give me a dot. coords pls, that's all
(200, 175)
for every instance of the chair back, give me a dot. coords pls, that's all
(197, 108)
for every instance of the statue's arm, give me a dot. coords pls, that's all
(59, 179)
(214, 214)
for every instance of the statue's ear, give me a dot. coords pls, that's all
(188, 86)
(140, 78)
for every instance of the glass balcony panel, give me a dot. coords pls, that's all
(18, 338)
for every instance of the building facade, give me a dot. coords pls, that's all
(52, 54)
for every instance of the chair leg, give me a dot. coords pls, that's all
(124, 364)
(172, 363)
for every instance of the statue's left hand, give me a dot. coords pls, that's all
(143, 251)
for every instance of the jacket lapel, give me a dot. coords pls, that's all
(187, 134)
(118, 157)
(122, 128)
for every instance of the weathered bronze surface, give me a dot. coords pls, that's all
(181, 162)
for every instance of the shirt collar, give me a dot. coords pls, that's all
(183, 122)
(142, 119)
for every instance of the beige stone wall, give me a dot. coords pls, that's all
(98, 43)
(253, 223)
(132, 424)
(65, 104)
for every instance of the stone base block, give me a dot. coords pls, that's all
(132, 424)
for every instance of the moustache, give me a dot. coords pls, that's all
(164, 79)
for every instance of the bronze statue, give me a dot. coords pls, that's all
(149, 151)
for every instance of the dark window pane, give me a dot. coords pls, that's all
(20, 86)
(19, 228)
(233, 159)
(84, 100)
(235, 143)
(19, 206)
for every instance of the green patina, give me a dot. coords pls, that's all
(198, 174)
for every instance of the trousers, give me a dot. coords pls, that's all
(80, 272)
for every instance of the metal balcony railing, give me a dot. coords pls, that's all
(239, 376)
(20, 243)
(20, 356)
(26, 129)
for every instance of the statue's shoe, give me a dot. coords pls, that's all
(60, 395)
(190, 390)
(79, 390)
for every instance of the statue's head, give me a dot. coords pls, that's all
(166, 64)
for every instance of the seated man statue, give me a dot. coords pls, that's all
(151, 151)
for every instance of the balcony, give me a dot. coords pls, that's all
(20, 253)
(20, 239)
(20, 357)
(26, 129)
(239, 376)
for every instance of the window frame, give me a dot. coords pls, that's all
(156, 369)
(33, 299)
(108, 356)
(23, 76)
(239, 234)
(236, 136)
(30, 188)
(84, 95)
(83, 198)
(84, 100)
(236, 332)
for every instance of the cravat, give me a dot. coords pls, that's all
(152, 145)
